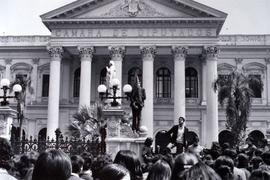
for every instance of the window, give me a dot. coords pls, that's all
(191, 83)
(163, 83)
(256, 89)
(76, 85)
(103, 75)
(21, 77)
(45, 85)
(131, 75)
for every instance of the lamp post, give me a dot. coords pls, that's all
(17, 88)
(102, 90)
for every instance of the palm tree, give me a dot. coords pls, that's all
(25, 83)
(86, 122)
(235, 92)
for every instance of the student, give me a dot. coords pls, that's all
(52, 165)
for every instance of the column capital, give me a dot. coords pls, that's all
(211, 52)
(148, 51)
(267, 60)
(35, 61)
(86, 52)
(8, 61)
(238, 60)
(179, 52)
(117, 51)
(55, 52)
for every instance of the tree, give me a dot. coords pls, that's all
(86, 122)
(234, 91)
(25, 82)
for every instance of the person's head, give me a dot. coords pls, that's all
(99, 162)
(161, 170)
(148, 141)
(181, 121)
(266, 157)
(114, 172)
(77, 163)
(5, 153)
(196, 140)
(52, 165)
(230, 153)
(255, 162)
(259, 174)
(129, 160)
(242, 160)
(87, 157)
(183, 162)
(224, 167)
(200, 171)
(249, 140)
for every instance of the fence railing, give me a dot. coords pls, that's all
(69, 146)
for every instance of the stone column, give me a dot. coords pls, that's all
(117, 53)
(179, 53)
(211, 53)
(86, 54)
(54, 90)
(204, 80)
(8, 65)
(267, 60)
(34, 77)
(148, 54)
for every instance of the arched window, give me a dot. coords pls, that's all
(257, 92)
(191, 83)
(103, 74)
(131, 75)
(163, 83)
(76, 85)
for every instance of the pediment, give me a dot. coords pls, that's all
(91, 9)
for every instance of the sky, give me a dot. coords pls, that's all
(22, 17)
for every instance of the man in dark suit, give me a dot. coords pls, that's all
(137, 102)
(178, 134)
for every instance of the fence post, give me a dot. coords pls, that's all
(57, 133)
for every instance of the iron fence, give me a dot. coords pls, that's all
(70, 146)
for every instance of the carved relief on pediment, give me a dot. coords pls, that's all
(133, 8)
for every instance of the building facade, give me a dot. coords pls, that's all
(175, 45)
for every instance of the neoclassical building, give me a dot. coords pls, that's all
(175, 45)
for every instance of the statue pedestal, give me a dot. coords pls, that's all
(6, 119)
(120, 135)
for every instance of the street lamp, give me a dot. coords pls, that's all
(5, 86)
(102, 90)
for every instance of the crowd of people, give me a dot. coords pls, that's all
(193, 162)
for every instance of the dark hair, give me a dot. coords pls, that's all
(52, 165)
(148, 141)
(76, 163)
(266, 157)
(129, 160)
(182, 118)
(98, 164)
(113, 172)
(201, 171)
(259, 174)
(242, 160)
(161, 170)
(5, 153)
(224, 167)
(183, 161)
(87, 157)
(230, 153)
(255, 161)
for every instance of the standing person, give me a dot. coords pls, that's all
(178, 134)
(5, 157)
(137, 102)
(111, 74)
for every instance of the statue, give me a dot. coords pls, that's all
(137, 102)
(111, 74)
